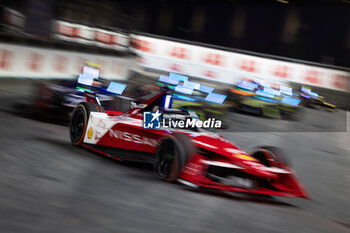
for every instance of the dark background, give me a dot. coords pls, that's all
(317, 31)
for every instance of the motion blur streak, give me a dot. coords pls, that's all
(49, 185)
(274, 72)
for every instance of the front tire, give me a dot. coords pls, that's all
(271, 156)
(79, 121)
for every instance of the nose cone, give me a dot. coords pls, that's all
(216, 144)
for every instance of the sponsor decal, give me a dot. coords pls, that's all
(246, 157)
(90, 133)
(130, 137)
(240, 154)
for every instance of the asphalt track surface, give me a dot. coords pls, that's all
(47, 185)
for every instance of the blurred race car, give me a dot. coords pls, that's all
(311, 99)
(263, 100)
(190, 155)
(197, 97)
(59, 98)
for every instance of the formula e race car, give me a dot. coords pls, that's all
(311, 99)
(152, 132)
(253, 98)
(59, 98)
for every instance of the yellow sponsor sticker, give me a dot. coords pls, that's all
(246, 157)
(90, 133)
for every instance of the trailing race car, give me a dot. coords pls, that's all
(59, 98)
(189, 154)
(311, 99)
(197, 97)
(262, 100)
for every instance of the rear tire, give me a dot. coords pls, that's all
(173, 153)
(79, 120)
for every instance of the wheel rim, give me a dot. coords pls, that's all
(166, 160)
(77, 125)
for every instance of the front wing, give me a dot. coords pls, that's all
(198, 172)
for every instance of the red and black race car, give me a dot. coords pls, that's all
(192, 156)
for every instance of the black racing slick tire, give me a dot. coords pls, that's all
(172, 155)
(270, 156)
(79, 121)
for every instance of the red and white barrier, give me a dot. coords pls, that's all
(23, 61)
(192, 60)
(83, 34)
(227, 67)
